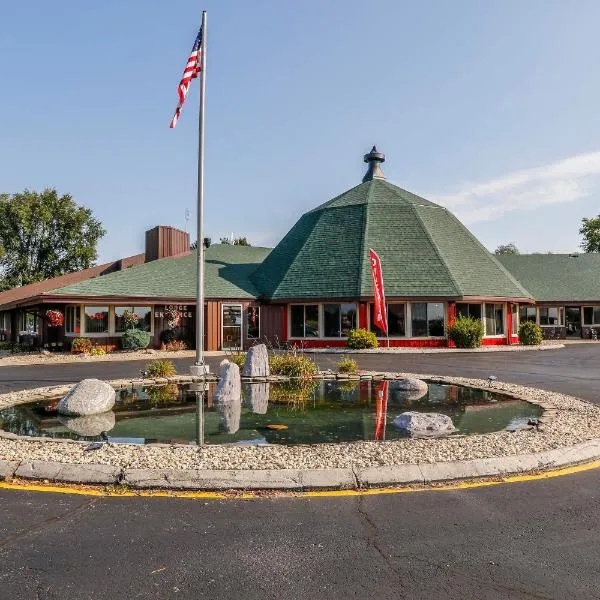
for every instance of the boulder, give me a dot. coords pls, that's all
(411, 385)
(228, 396)
(257, 362)
(88, 397)
(90, 426)
(257, 397)
(424, 424)
(408, 395)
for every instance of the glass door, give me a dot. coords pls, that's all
(231, 326)
(573, 321)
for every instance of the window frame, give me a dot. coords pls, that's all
(371, 325)
(428, 335)
(494, 335)
(113, 316)
(341, 336)
(259, 322)
(319, 321)
(593, 308)
(560, 315)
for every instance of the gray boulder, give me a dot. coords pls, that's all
(257, 362)
(411, 385)
(88, 397)
(257, 397)
(420, 424)
(228, 396)
(90, 426)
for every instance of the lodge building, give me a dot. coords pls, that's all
(315, 285)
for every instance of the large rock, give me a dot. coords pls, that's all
(257, 397)
(88, 397)
(90, 426)
(257, 362)
(228, 396)
(424, 424)
(411, 385)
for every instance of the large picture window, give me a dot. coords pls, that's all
(339, 319)
(73, 319)
(552, 315)
(527, 313)
(468, 310)
(138, 316)
(514, 324)
(253, 322)
(96, 319)
(591, 315)
(427, 319)
(494, 321)
(304, 320)
(396, 318)
(29, 323)
(4, 321)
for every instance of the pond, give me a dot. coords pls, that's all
(276, 413)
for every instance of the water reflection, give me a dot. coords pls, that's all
(257, 397)
(91, 425)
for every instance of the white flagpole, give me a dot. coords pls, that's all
(200, 229)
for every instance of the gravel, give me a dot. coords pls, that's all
(566, 421)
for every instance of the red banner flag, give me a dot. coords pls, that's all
(381, 398)
(380, 310)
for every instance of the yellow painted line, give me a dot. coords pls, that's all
(255, 495)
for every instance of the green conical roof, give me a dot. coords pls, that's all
(425, 251)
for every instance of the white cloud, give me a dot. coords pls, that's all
(561, 182)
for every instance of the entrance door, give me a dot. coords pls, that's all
(573, 321)
(231, 326)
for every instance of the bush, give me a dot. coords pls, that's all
(292, 365)
(161, 368)
(530, 333)
(81, 345)
(134, 339)
(347, 365)
(237, 358)
(12, 346)
(97, 351)
(362, 338)
(176, 346)
(466, 332)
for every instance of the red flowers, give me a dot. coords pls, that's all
(55, 318)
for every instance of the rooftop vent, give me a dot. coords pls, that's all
(373, 159)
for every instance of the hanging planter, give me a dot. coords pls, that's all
(55, 318)
(131, 319)
(172, 316)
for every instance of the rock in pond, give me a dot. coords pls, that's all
(257, 362)
(88, 397)
(90, 426)
(228, 396)
(424, 424)
(411, 385)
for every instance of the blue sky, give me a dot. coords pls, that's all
(490, 108)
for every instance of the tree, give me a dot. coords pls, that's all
(506, 249)
(240, 241)
(43, 235)
(590, 230)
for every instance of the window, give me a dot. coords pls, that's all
(73, 319)
(468, 310)
(29, 323)
(396, 318)
(591, 315)
(427, 319)
(527, 313)
(139, 316)
(304, 320)
(253, 322)
(339, 319)
(494, 322)
(96, 319)
(514, 324)
(552, 315)
(4, 321)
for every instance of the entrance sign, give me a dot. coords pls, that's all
(380, 310)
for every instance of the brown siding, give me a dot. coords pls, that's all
(185, 331)
(271, 316)
(163, 241)
(212, 326)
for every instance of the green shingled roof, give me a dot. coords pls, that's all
(424, 249)
(557, 277)
(227, 268)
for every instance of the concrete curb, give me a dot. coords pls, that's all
(407, 350)
(301, 479)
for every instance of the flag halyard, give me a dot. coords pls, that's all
(191, 71)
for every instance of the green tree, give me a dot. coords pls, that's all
(44, 235)
(506, 249)
(239, 241)
(590, 230)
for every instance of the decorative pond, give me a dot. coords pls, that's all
(276, 413)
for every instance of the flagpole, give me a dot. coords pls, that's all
(200, 228)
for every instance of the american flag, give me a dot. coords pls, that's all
(191, 71)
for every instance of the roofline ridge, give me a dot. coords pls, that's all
(364, 226)
(459, 290)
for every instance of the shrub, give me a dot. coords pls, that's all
(237, 358)
(466, 332)
(81, 345)
(292, 365)
(97, 351)
(161, 368)
(134, 339)
(530, 333)
(176, 346)
(347, 365)
(12, 346)
(362, 338)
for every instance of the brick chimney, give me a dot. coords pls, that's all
(164, 241)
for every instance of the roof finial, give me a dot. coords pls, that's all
(373, 159)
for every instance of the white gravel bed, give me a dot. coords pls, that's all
(566, 421)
